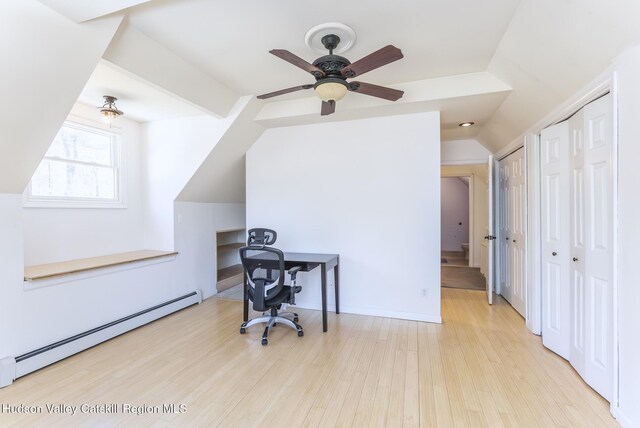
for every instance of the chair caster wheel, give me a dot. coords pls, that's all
(300, 333)
(295, 319)
(264, 342)
(243, 330)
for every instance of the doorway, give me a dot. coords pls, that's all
(454, 226)
(462, 217)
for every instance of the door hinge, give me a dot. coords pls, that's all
(490, 237)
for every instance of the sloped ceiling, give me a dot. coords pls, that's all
(544, 50)
(46, 60)
(85, 10)
(541, 52)
(550, 50)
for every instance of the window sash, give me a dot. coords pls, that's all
(82, 201)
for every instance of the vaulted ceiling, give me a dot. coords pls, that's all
(503, 64)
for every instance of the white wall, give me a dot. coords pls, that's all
(196, 225)
(454, 209)
(628, 67)
(11, 271)
(480, 200)
(458, 152)
(33, 315)
(57, 234)
(172, 151)
(366, 189)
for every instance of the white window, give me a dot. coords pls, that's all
(81, 168)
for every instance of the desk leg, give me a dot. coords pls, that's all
(245, 300)
(336, 282)
(323, 273)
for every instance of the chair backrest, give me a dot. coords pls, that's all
(264, 271)
(261, 236)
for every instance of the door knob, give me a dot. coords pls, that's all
(554, 254)
(575, 259)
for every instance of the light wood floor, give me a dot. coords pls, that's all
(479, 368)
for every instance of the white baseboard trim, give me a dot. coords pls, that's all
(379, 313)
(623, 420)
(7, 371)
(42, 357)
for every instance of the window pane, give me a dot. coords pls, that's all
(81, 145)
(62, 179)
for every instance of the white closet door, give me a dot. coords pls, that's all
(599, 251)
(490, 230)
(517, 230)
(577, 266)
(503, 229)
(555, 238)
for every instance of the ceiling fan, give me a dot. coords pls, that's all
(332, 71)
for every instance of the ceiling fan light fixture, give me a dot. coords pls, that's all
(109, 111)
(331, 89)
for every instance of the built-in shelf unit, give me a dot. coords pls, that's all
(229, 267)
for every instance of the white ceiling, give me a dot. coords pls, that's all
(139, 100)
(544, 50)
(231, 39)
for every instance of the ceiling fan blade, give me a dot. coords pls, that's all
(372, 61)
(284, 91)
(376, 91)
(297, 61)
(328, 107)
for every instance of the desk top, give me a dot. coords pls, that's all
(309, 261)
(309, 257)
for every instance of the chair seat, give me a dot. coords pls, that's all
(284, 296)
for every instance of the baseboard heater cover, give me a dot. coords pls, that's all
(42, 357)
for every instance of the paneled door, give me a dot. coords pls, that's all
(577, 209)
(555, 238)
(490, 230)
(503, 229)
(517, 222)
(577, 243)
(598, 268)
(512, 221)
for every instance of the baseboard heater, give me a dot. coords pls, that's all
(13, 368)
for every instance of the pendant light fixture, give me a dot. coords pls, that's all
(109, 111)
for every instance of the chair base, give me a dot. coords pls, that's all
(271, 321)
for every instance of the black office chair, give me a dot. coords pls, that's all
(261, 236)
(264, 272)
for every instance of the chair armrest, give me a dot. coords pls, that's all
(294, 270)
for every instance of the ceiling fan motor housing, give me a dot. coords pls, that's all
(331, 65)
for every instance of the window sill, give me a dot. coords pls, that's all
(73, 204)
(46, 274)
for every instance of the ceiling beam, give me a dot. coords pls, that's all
(134, 52)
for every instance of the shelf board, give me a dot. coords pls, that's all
(229, 272)
(230, 247)
(229, 276)
(237, 229)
